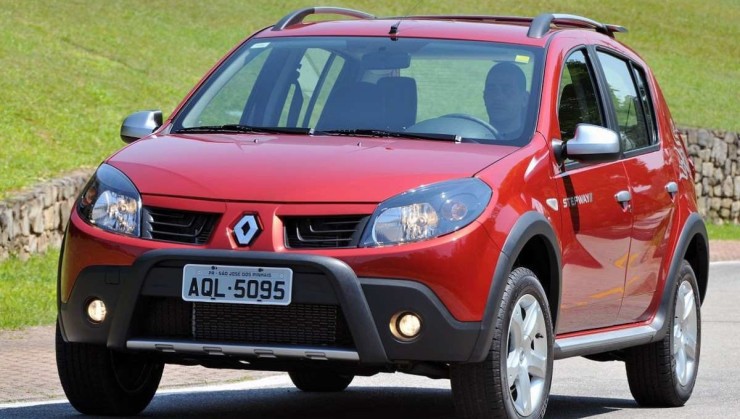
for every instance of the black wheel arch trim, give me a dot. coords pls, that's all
(59, 283)
(693, 226)
(528, 226)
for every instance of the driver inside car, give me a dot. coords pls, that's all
(505, 96)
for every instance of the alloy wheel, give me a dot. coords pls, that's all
(526, 361)
(685, 332)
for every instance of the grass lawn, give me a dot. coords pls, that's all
(73, 70)
(28, 290)
(723, 232)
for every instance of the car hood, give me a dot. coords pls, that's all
(291, 168)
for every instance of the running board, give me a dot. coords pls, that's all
(603, 341)
(263, 352)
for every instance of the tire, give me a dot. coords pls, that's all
(98, 381)
(663, 373)
(320, 381)
(522, 332)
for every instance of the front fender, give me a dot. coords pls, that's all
(530, 225)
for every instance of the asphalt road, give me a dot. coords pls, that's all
(580, 388)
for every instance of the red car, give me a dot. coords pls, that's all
(462, 197)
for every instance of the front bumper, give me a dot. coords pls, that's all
(151, 287)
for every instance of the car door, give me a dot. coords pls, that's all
(596, 224)
(652, 183)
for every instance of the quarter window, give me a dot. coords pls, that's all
(647, 103)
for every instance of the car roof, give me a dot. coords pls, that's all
(534, 31)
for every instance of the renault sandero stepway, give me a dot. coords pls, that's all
(458, 197)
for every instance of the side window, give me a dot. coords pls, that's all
(632, 127)
(317, 73)
(578, 100)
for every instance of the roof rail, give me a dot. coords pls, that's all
(481, 18)
(297, 16)
(541, 24)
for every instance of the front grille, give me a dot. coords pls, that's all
(324, 232)
(164, 317)
(177, 226)
(295, 324)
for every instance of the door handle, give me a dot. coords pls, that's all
(624, 198)
(671, 188)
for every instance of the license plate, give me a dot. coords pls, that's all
(237, 284)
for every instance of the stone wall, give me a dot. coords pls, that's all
(716, 156)
(34, 220)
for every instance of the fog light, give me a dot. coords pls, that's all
(96, 310)
(406, 325)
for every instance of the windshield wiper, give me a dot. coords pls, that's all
(238, 128)
(396, 134)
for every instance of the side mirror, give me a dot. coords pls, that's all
(140, 124)
(592, 143)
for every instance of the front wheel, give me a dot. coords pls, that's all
(514, 379)
(98, 381)
(663, 373)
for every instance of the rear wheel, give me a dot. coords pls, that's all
(320, 380)
(514, 379)
(98, 381)
(664, 373)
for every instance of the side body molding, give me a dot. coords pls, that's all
(531, 224)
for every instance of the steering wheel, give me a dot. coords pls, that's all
(477, 120)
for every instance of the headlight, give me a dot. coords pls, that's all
(110, 201)
(427, 212)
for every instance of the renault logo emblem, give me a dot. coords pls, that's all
(246, 230)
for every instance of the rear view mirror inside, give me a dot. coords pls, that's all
(386, 60)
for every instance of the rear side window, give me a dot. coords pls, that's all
(628, 104)
(578, 100)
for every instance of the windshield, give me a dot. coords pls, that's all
(465, 90)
